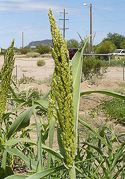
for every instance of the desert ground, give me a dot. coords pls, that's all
(110, 81)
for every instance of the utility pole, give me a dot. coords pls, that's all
(90, 5)
(22, 42)
(64, 21)
(91, 26)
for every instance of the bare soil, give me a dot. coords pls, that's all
(111, 81)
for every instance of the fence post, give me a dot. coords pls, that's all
(109, 59)
(16, 74)
(123, 70)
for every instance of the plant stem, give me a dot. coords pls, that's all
(72, 173)
(4, 159)
(51, 135)
(39, 143)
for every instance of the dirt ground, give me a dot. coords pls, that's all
(111, 81)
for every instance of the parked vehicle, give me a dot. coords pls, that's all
(119, 52)
(72, 52)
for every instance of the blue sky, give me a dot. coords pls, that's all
(31, 17)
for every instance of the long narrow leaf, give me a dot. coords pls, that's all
(42, 102)
(61, 147)
(12, 142)
(17, 140)
(116, 95)
(45, 173)
(16, 177)
(29, 162)
(118, 156)
(91, 129)
(13, 92)
(23, 120)
(51, 136)
(4, 160)
(77, 71)
(52, 152)
(39, 142)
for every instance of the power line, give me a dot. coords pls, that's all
(64, 21)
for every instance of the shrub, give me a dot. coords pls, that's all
(92, 66)
(32, 55)
(72, 43)
(113, 109)
(26, 80)
(117, 62)
(43, 49)
(40, 63)
(30, 94)
(26, 50)
(105, 48)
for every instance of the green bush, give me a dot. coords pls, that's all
(32, 55)
(26, 50)
(92, 66)
(117, 62)
(43, 49)
(113, 109)
(26, 80)
(40, 63)
(105, 48)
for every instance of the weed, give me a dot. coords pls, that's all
(26, 80)
(47, 81)
(30, 94)
(117, 62)
(114, 108)
(40, 63)
(92, 67)
(46, 55)
(32, 55)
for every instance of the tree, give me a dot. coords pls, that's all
(122, 45)
(72, 43)
(105, 47)
(43, 49)
(115, 38)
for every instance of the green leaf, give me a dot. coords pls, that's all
(51, 136)
(16, 177)
(61, 147)
(5, 173)
(15, 141)
(45, 173)
(29, 162)
(39, 142)
(90, 128)
(12, 142)
(42, 102)
(13, 92)
(18, 100)
(116, 95)
(120, 153)
(53, 152)
(22, 121)
(4, 160)
(77, 71)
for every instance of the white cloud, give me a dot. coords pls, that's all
(27, 5)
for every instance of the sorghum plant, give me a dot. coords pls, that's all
(61, 95)
(6, 73)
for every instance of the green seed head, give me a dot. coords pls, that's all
(6, 73)
(61, 95)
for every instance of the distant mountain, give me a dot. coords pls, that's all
(42, 42)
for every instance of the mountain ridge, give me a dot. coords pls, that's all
(47, 42)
